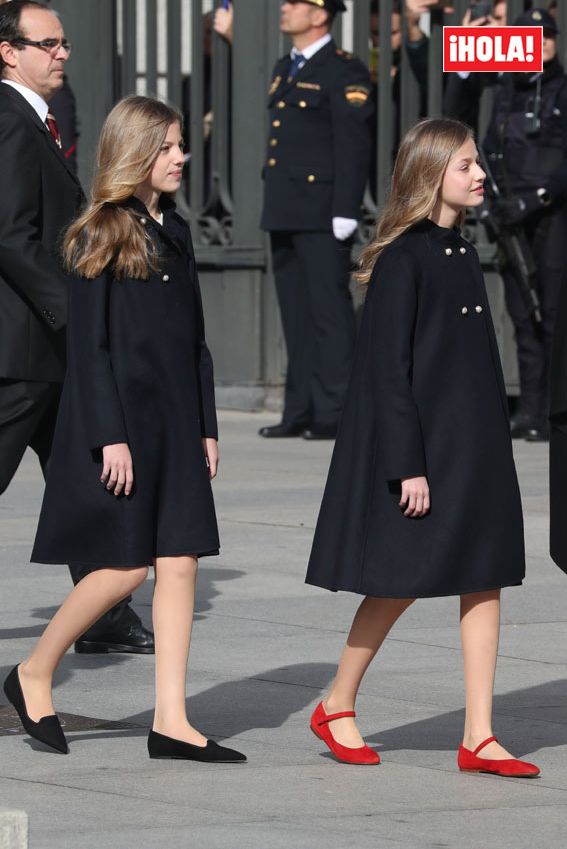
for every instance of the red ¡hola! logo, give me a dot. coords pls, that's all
(493, 49)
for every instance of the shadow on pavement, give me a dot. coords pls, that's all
(265, 700)
(525, 720)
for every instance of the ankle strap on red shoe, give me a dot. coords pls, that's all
(331, 716)
(484, 743)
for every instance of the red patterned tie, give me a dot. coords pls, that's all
(52, 127)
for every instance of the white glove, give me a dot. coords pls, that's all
(344, 227)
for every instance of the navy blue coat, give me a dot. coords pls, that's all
(426, 397)
(318, 152)
(139, 371)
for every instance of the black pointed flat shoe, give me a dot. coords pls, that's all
(160, 746)
(48, 730)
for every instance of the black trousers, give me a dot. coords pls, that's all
(312, 273)
(28, 412)
(547, 236)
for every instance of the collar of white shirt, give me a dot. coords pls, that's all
(312, 49)
(35, 101)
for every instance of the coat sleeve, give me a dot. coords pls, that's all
(89, 372)
(352, 107)
(393, 304)
(207, 412)
(27, 266)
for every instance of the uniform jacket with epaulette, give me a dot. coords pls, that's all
(319, 142)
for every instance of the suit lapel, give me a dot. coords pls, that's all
(319, 59)
(57, 152)
(29, 112)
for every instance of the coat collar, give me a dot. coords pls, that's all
(167, 206)
(170, 231)
(442, 235)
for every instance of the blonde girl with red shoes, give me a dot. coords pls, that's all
(422, 497)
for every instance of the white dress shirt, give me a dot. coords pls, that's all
(35, 101)
(312, 49)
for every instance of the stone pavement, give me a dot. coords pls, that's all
(264, 651)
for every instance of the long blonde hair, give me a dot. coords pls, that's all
(107, 232)
(418, 173)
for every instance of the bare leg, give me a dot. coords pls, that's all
(480, 631)
(174, 598)
(371, 624)
(87, 602)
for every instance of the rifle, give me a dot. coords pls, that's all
(513, 243)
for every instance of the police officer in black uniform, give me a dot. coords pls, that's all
(316, 168)
(527, 145)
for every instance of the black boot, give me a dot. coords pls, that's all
(538, 432)
(128, 635)
(521, 423)
(284, 430)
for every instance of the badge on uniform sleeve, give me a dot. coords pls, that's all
(274, 85)
(357, 95)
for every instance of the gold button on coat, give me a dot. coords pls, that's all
(281, 104)
(311, 178)
(273, 142)
(276, 123)
(271, 162)
(303, 104)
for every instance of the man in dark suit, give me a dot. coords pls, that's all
(40, 195)
(316, 168)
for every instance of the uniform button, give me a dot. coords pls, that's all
(143, 220)
(165, 278)
(311, 178)
(448, 251)
(271, 162)
(303, 104)
(273, 142)
(463, 250)
(465, 310)
(478, 309)
(281, 104)
(276, 123)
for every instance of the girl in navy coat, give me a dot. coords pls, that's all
(136, 438)
(422, 497)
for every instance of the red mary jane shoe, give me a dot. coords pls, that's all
(509, 767)
(320, 727)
